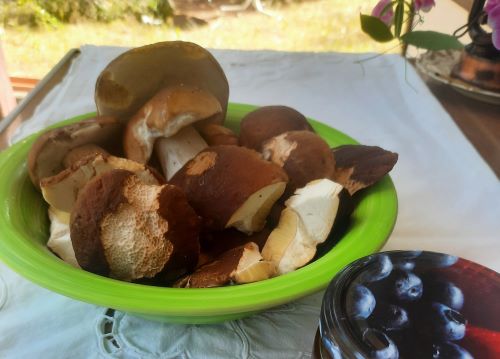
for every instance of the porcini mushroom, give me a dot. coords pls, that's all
(128, 230)
(304, 156)
(164, 115)
(231, 186)
(242, 264)
(47, 154)
(269, 121)
(137, 75)
(215, 134)
(77, 154)
(179, 83)
(305, 222)
(359, 166)
(61, 190)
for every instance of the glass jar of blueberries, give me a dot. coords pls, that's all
(411, 304)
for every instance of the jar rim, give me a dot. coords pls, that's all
(346, 333)
(333, 319)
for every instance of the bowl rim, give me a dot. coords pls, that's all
(43, 268)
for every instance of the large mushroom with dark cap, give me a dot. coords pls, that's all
(165, 92)
(231, 186)
(126, 229)
(134, 77)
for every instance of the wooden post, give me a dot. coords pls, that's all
(7, 98)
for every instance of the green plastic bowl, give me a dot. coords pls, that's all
(24, 230)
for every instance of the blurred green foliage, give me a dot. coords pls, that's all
(39, 13)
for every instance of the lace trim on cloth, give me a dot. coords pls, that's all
(105, 333)
(117, 338)
(114, 344)
(3, 292)
(125, 336)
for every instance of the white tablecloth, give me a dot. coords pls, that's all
(449, 201)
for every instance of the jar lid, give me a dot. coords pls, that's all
(412, 304)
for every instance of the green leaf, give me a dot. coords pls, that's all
(432, 40)
(375, 28)
(398, 18)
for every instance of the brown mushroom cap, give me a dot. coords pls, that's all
(164, 115)
(137, 75)
(303, 155)
(359, 166)
(47, 154)
(220, 182)
(125, 229)
(269, 121)
(184, 228)
(215, 134)
(242, 264)
(77, 154)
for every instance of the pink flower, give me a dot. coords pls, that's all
(424, 5)
(383, 10)
(491, 4)
(492, 8)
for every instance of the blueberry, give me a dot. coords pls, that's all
(379, 269)
(445, 323)
(360, 302)
(379, 345)
(390, 317)
(446, 293)
(439, 260)
(405, 264)
(405, 286)
(405, 260)
(449, 351)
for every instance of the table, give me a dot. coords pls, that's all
(446, 195)
(479, 121)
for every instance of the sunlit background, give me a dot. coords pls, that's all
(37, 33)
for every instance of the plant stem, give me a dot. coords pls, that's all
(409, 25)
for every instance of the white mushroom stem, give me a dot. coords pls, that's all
(251, 216)
(305, 222)
(255, 272)
(60, 240)
(173, 152)
(251, 267)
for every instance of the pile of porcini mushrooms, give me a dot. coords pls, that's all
(156, 190)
